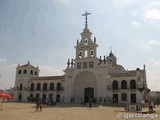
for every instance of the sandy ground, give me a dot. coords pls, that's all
(26, 111)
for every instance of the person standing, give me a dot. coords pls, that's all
(38, 105)
(90, 103)
(150, 106)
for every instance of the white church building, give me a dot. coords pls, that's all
(86, 76)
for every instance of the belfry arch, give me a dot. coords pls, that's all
(84, 86)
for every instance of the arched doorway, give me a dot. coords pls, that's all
(88, 93)
(84, 86)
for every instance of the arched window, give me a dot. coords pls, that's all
(21, 87)
(86, 41)
(31, 72)
(38, 86)
(45, 86)
(115, 84)
(35, 73)
(92, 53)
(59, 86)
(32, 86)
(86, 53)
(25, 71)
(133, 84)
(51, 87)
(19, 71)
(80, 54)
(123, 84)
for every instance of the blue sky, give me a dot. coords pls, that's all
(45, 33)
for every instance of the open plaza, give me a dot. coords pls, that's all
(64, 111)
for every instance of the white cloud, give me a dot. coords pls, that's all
(154, 42)
(129, 3)
(156, 64)
(153, 75)
(50, 71)
(2, 60)
(148, 12)
(137, 24)
(153, 81)
(151, 43)
(64, 1)
(7, 78)
(153, 14)
(123, 3)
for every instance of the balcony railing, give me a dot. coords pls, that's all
(140, 88)
(62, 89)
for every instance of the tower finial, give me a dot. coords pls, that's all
(111, 49)
(111, 54)
(77, 41)
(95, 39)
(18, 64)
(86, 14)
(144, 66)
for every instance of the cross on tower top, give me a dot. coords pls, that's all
(111, 48)
(86, 14)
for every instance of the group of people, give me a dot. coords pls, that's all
(91, 100)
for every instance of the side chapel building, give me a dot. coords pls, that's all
(86, 76)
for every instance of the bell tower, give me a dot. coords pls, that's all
(86, 48)
(111, 59)
(24, 73)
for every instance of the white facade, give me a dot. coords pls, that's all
(86, 76)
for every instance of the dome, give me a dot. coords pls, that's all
(111, 54)
(138, 69)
